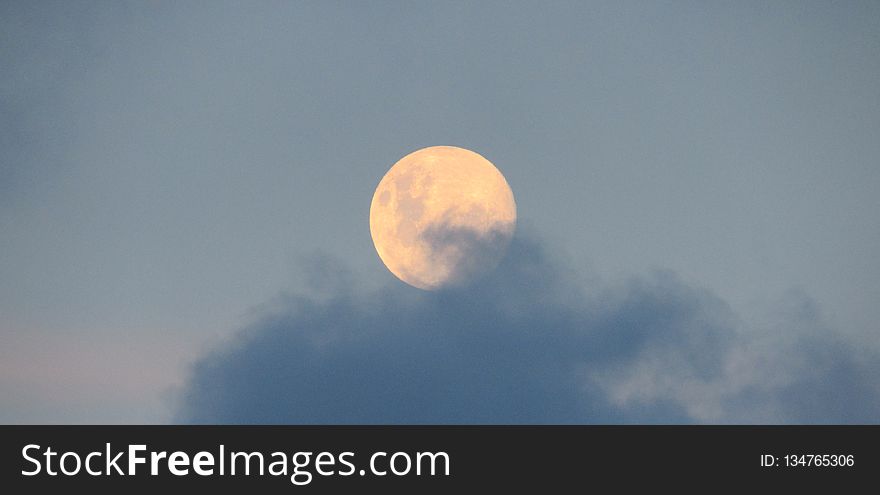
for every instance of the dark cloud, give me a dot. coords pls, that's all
(467, 254)
(529, 343)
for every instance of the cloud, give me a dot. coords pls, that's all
(463, 253)
(530, 343)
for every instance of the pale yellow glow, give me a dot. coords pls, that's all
(441, 188)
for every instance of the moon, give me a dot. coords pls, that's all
(441, 217)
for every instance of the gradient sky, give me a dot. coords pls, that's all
(166, 167)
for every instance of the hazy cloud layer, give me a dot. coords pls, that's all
(530, 343)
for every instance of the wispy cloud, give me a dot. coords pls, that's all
(531, 343)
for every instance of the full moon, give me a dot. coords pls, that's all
(442, 216)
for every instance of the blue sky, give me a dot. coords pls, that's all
(169, 170)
